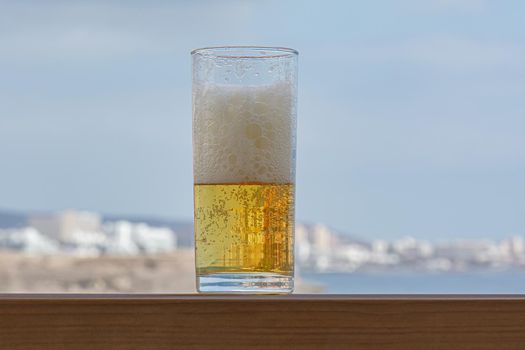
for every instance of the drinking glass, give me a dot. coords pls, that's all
(244, 146)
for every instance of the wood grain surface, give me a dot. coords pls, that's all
(261, 322)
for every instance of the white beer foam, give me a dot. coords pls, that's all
(243, 134)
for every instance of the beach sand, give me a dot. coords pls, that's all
(163, 273)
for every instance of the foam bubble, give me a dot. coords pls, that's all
(243, 134)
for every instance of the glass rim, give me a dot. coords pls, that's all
(235, 52)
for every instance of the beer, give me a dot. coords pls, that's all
(245, 227)
(244, 174)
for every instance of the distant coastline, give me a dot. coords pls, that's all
(319, 248)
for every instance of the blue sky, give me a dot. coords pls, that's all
(410, 112)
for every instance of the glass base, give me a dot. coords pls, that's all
(249, 283)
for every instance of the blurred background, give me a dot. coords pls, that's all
(410, 164)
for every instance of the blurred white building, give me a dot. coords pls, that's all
(82, 233)
(126, 238)
(303, 248)
(27, 240)
(322, 240)
(408, 248)
(62, 226)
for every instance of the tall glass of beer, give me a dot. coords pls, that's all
(244, 144)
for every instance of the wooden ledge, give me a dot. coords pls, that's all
(157, 321)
